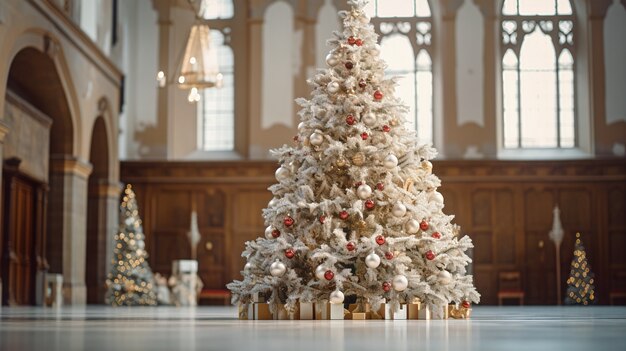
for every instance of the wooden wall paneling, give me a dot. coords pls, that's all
(614, 200)
(539, 260)
(503, 223)
(504, 206)
(248, 204)
(213, 246)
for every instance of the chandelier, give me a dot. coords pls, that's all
(198, 68)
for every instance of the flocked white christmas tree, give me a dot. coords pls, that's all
(356, 210)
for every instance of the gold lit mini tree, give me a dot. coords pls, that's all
(580, 288)
(130, 281)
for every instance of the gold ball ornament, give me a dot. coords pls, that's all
(358, 159)
(341, 162)
(394, 122)
(427, 166)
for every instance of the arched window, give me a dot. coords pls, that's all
(216, 109)
(538, 74)
(405, 27)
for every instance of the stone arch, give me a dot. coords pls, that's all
(97, 238)
(42, 51)
(39, 73)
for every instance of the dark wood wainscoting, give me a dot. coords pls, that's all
(505, 206)
(22, 242)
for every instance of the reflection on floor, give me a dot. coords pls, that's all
(215, 328)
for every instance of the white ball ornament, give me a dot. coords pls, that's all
(272, 202)
(400, 283)
(336, 297)
(268, 232)
(277, 269)
(248, 267)
(436, 196)
(319, 272)
(369, 119)
(444, 277)
(316, 139)
(364, 191)
(412, 226)
(391, 161)
(332, 60)
(300, 126)
(372, 260)
(398, 209)
(282, 173)
(333, 87)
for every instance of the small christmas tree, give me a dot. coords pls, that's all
(130, 281)
(580, 288)
(356, 210)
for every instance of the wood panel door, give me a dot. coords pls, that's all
(19, 259)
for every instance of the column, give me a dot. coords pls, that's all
(103, 207)
(67, 215)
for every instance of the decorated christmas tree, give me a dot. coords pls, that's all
(580, 288)
(356, 211)
(130, 281)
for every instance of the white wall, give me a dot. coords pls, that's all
(136, 55)
(615, 67)
(278, 66)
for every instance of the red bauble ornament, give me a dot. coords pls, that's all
(378, 95)
(351, 40)
(275, 233)
(349, 65)
(436, 235)
(424, 225)
(380, 186)
(466, 304)
(350, 120)
(344, 215)
(369, 204)
(288, 221)
(329, 275)
(359, 42)
(322, 219)
(386, 286)
(295, 138)
(364, 136)
(289, 253)
(389, 255)
(362, 84)
(350, 246)
(386, 128)
(380, 240)
(430, 255)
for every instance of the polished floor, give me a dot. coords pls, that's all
(215, 328)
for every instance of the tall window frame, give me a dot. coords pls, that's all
(391, 23)
(216, 108)
(518, 23)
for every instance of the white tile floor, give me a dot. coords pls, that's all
(215, 328)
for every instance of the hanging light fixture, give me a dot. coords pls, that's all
(199, 68)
